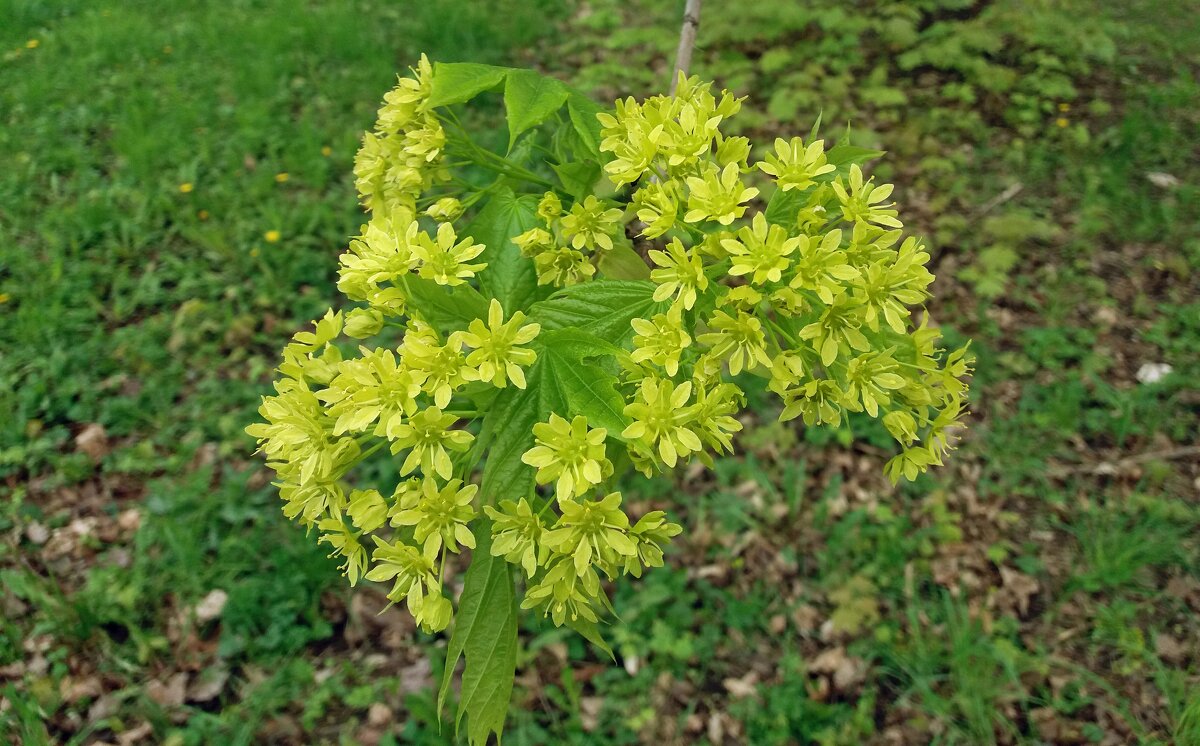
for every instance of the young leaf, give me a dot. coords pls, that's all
(583, 111)
(508, 429)
(509, 278)
(485, 630)
(623, 263)
(578, 177)
(783, 207)
(844, 155)
(446, 308)
(456, 82)
(604, 308)
(569, 386)
(530, 99)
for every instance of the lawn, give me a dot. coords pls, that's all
(178, 186)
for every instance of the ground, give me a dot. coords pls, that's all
(177, 188)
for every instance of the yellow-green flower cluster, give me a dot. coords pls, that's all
(330, 411)
(820, 301)
(400, 158)
(567, 245)
(816, 295)
(564, 555)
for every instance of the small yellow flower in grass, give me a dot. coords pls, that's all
(32, 44)
(326, 151)
(569, 452)
(271, 236)
(497, 354)
(1064, 107)
(1061, 122)
(4, 298)
(186, 187)
(281, 177)
(202, 214)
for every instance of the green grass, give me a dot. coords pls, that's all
(1031, 591)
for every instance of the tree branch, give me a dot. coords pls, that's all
(687, 41)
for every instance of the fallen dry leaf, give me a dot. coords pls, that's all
(92, 440)
(1169, 649)
(211, 606)
(208, 684)
(744, 687)
(170, 693)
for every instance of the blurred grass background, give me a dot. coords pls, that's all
(177, 186)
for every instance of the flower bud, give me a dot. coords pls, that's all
(363, 322)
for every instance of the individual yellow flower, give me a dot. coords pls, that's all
(282, 177)
(661, 339)
(563, 594)
(570, 454)
(186, 187)
(794, 165)
(444, 261)
(534, 241)
(760, 250)
(372, 389)
(444, 366)
(837, 329)
(413, 573)
(819, 401)
(657, 206)
(738, 338)
(1061, 122)
(679, 274)
(326, 151)
(367, 509)
(445, 210)
(661, 418)
(822, 267)
(592, 532)
(861, 200)
(589, 225)
(336, 534)
(439, 516)
(497, 353)
(562, 266)
(517, 534)
(272, 236)
(428, 435)
(32, 44)
(202, 214)
(713, 419)
(650, 533)
(870, 380)
(718, 196)
(383, 253)
(549, 207)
